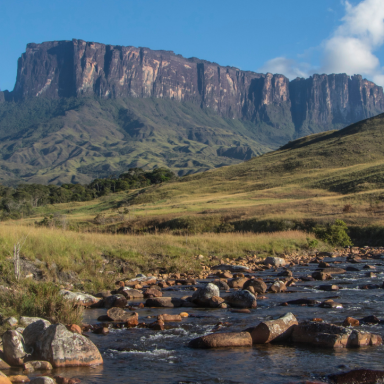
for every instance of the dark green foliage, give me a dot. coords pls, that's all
(334, 234)
(19, 202)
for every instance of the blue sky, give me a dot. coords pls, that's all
(293, 37)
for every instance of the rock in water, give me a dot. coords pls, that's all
(274, 330)
(358, 376)
(258, 285)
(14, 348)
(227, 339)
(203, 295)
(242, 299)
(63, 348)
(275, 261)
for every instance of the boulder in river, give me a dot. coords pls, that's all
(332, 336)
(328, 287)
(36, 365)
(131, 294)
(274, 330)
(152, 292)
(164, 302)
(258, 285)
(14, 348)
(358, 376)
(321, 276)
(237, 283)
(118, 314)
(115, 301)
(225, 339)
(169, 318)
(277, 287)
(4, 379)
(242, 299)
(203, 295)
(63, 348)
(216, 302)
(275, 261)
(351, 322)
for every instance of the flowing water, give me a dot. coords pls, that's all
(140, 355)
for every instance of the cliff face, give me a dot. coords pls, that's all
(76, 68)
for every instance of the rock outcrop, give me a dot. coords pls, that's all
(78, 68)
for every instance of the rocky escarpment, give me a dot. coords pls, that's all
(77, 68)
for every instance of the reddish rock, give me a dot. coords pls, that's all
(74, 328)
(151, 292)
(227, 339)
(258, 286)
(351, 322)
(237, 283)
(157, 325)
(169, 318)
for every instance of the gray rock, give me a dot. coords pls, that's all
(34, 331)
(11, 321)
(203, 294)
(14, 348)
(242, 299)
(63, 348)
(275, 261)
(82, 298)
(25, 321)
(232, 268)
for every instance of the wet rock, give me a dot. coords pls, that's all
(369, 286)
(330, 304)
(151, 292)
(371, 275)
(334, 271)
(328, 287)
(81, 298)
(286, 273)
(42, 380)
(203, 295)
(351, 322)
(188, 281)
(216, 301)
(231, 268)
(101, 330)
(352, 269)
(66, 349)
(323, 264)
(372, 319)
(157, 325)
(169, 318)
(367, 266)
(332, 336)
(274, 330)
(115, 301)
(221, 285)
(225, 275)
(33, 332)
(277, 287)
(237, 283)
(219, 340)
(358, 376)
(257, 284)
(164, 302)
(321, 276)
(14, 348)
(118, 314)
(275, 261)
(242, 299)
(37, 365)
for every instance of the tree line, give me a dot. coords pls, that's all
(21, 201)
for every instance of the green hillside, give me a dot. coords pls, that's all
(77, 140)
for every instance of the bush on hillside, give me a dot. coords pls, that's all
(334, 234)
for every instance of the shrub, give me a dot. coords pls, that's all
(334, 234)
(312, 243)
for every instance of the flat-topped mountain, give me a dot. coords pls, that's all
(254, 112)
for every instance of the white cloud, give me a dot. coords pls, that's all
(350, 49)
(287, 67)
